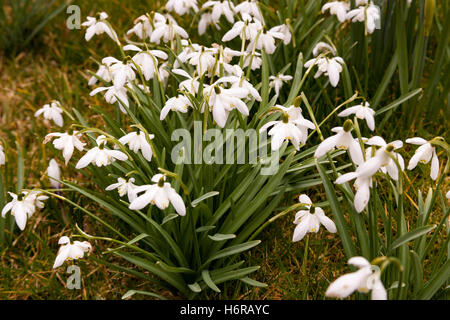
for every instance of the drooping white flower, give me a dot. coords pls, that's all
(249, 7)
(323, 47)
(221, 101)
(69, 251)
(247, 29)
(180, 104)
(181, 7)
(366, 279)
(136, 141)
(121, 72)
(190, 85)
(124, 187)
(331, 67)
(142, 27)
(424, 154)
(206, 20)
(146, 60)
(102, 73)
(113, 95)
(285, 31)
(100, 156)
(159, 194)
(277, 82)
(296, 117)
(166, 29)
(23, 205)
(97, 27)
(239, 80)
(2, 156)
(219, 8)
(363, 112)
(308, 221)
(66, 142)
(390, 166)
(343, 139)
(266, 41)
(254, 59)
(338, 8)
(203, 59)
(53, 112)
(53, 173)
(370, 15)
(447, 195)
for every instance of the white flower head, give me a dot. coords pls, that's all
(142, 27)
(362, 111)
(100, 156)
(166, 29)
(277, 82)
(136, 141)
(310, 220)
(97, 27)
(179, 104)
(323, 47)
(67, 142)
(424, 154)
(338, 8)
(370, 15)
(181, 7)
(2, 156)
(160, 194)
(114, 95)
(124, 187)
(389, 167)
(54, 173)
(366, 279)
(330, 67)
(249, 7)
(68, 251)
(220, 8)
(146, 60)
(53, 112)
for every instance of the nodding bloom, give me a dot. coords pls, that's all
(159, 194)
(254, 59)
(68, 251)
(190, 85)
(23, 205)
(142, 27)
(67, 142)
(239, 80)
(285, 31)
(2, 156)
(291, 128)
(181, 7)
(266, 40)
(364, 173)
(121, 72)
(166, 29)
(206, 20)
(424, 154)
(102, 73)
(249, 7)
(146, 60)
(389, 167)
(53, 112)
(331, 67)
(53, 173)
(338, 8)
(220, 8)
(180, 104)
(247, 29)
(323, 47)
(363, 112)
(136, 141)
(343, 139)
(113, 95)
(203, 59)
(370, 15)
(221, 101)
(277, 82)
(310, 220)
(124, 187)
(97, 27)
(366, 279)
(100, 156)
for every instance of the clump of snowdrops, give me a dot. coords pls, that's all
(192, 196)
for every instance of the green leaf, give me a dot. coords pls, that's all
(205, 228)
(436, 282)
(253, 282)
(233, 250)
(411, 235)
(131, 293)
(203, 197)
(399, 101)
(222, 237)
(207, 278)
(169, 217)
(195, 287)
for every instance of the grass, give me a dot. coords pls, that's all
(57, 69)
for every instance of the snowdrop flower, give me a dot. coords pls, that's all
(67, 142)
(266, 41)
(447, 195)
(97, 27)
(322, 47)
(159, 194)
(389, 167)
(287, 129)
(343, 139)
(190, 85)
(370, 15)
(112, 95)
(102, 73)
(338, 8)
(205, 20)
(277, 82)
(239, 80)
(255, 60)
(220, 8)
(295, 116)
(203, 59)
(138, 141)
(142, 27)
(424, 154)
(121, 72)
(222, 101)
(2, 156)
(366, 279)
(146, 60)
(246, 29)
(100, 156)
(69, 251)
(53, 173)
(53, 112)
(180, 104)
(124, 187)
(285, 31)
(362, 111)
(165, 29)
(331, 67)
(249, 7)
(181, 7)
(308, 221)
